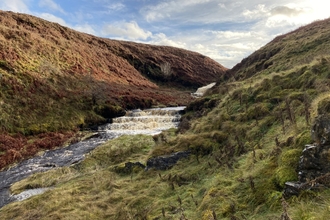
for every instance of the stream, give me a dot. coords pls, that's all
(149, 121)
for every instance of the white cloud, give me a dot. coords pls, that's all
(183, 10)
(50, 4)
(129, 30)
(15, 6)
(162, 39)
(231, 34)
(85, 28)
(287, 11)
(115, 6)
(258, 12)
(52, 18)
(226, 47)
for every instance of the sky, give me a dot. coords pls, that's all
(224, 30)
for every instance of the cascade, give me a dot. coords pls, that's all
(149, 121)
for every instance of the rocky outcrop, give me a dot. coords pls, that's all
(166, 162)
(314, 163)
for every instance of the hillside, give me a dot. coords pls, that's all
(298, 48)
(245, 136)
(54, 79)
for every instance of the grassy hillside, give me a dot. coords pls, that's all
(54, 80)
(246, 137)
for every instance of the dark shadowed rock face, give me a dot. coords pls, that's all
(314, 163)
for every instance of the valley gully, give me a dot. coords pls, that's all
(149, 122)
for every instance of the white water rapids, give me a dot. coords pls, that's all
(149, 121)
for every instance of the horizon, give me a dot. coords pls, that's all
(226, 31)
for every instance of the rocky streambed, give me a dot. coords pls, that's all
(150, 121)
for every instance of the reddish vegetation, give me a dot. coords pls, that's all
(15, 148)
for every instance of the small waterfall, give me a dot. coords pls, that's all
(149, 121)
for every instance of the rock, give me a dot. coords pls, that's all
(309, 164)
(166, 162)
(314, 163)
(291, 189)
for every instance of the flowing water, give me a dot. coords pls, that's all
(150, 121)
